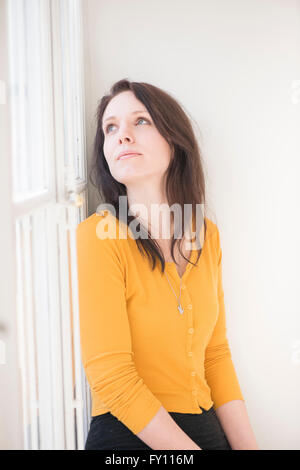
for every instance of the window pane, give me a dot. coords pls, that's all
(31, 107)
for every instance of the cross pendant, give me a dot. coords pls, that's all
(180, 309)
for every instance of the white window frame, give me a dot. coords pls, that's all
(43, 228)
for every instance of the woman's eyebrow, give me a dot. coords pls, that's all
(134, 112)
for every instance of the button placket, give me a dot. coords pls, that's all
(186, 301)
(190, 333)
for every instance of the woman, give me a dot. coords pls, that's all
(152, 316)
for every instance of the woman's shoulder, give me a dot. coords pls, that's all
(104, 218)
(87, 227)
(92, 221)
(211, 226)
(87, 223)
(101, 226)
(104, 226)
(212, 234)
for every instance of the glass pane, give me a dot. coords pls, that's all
(31, 94)
(73, 88)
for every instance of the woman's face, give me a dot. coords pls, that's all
(133, 131)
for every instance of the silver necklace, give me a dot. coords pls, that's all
(180, 308)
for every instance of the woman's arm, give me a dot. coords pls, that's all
(235, 422)
(164, 433)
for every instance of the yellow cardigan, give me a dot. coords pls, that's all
(138, 352)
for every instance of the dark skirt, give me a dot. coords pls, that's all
(108, 433)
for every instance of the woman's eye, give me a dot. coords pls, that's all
(107, 127)
(139, 119)
(142, 119)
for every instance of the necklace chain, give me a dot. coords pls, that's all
(179, 304)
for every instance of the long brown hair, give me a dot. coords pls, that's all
(185, 182)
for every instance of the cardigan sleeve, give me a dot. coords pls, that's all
(105, 337)
(220, 373)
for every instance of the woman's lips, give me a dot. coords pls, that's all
(124, 157)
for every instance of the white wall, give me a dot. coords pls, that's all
(233, 66)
